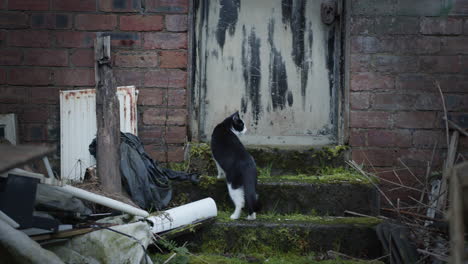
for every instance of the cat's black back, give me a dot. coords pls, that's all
(233, 158)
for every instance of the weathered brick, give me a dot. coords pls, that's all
(45, 95)
(72, 39)
(128, 77)
(440, 64)
(357, 138)
(460, 7)
(151, 135)
(389, 138)
(155, 116)
(74, 77)
(151, 96)
(456, 102)
(371, 81)
(417, 45)
(36, 5)
(167, 6)
(30, 38)
(453, 83)
(415, 82)
(361, 25)
(374, 157)
(360, 63)
(359, 101)
(175, 154)
(33, 132)
(141, 23)
(120, 5)
(415, 119)
(176, 117)
(428, 139)
(45, 57)
(392, 63)
(34, 115)
(459, 118)
(370, 119)
(418, 157)
(82, 58)
(420, 8)
(10, 56)
(177, 97)
(371, 7)
(3, 34)
(464, 64)
(455, 45)
(13, 94)
(173, 59)
(136, 59)
(95, 22)
(369, 44)
(427, 101)
(166, 78)
(51, 21)
(74, 5)
(3, 4)
(176, 23)
(30, 76)
(162, 40)
(176, 134)
(13, 20)
(125, 39)
(388, 25)
(465, 27)
(3, 77)
(441, 26)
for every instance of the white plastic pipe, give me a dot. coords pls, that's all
(102, 200)
(184, 215)
(8, 220)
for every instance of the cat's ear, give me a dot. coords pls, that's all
(236, 116)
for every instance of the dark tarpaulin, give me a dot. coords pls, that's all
(147, 183)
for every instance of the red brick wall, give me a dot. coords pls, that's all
(47, 46)
(398, 49)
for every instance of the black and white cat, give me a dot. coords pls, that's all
(235, 164)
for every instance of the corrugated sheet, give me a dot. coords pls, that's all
(78, 127)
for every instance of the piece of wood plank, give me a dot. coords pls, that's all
(451, 154)
(16, 156)
(457, 228)
(108, 120)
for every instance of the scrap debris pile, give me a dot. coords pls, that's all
(425, 224)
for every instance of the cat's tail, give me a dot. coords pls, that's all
(250, 193)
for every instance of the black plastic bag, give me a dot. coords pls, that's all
(147, 183)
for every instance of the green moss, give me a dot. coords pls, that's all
(294, 218)
(272, 259)
(325, 176)
(208, 181)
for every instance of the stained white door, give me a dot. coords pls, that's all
(273, 60)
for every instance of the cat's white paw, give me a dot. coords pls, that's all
(253, 216)
(234, 216)
(221, 176)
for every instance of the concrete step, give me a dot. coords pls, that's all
(311, 195)
(256, 258)
(279, 161)
(292, 234)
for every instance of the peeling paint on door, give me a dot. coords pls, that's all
(275, 61)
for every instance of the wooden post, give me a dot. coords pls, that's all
(108, 119)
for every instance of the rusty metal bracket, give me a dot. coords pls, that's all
(329, 11)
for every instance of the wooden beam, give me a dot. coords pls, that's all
(108, 119)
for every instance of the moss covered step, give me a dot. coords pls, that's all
(323, 195)
(255, 258)
(292, 234)
(280, 161)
